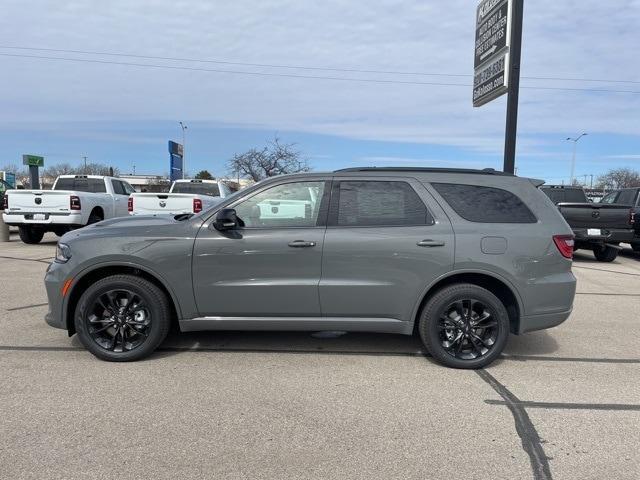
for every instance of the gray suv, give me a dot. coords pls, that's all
(460, 257)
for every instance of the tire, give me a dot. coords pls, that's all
(30, 235)
(94, 218)
(144, 329)
(605, 254)
(477, 347)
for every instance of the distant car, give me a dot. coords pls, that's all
(600, 227)
(185, 196)
(73, 202)
(463, 257)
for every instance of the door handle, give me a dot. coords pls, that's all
(301, 244)
(431, 243)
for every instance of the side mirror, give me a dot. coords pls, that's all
(226, 220)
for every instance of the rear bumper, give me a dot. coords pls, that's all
(17, 219)
(541, 322)
(614, 235)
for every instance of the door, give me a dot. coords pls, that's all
(386, 241)
(270, 267)
(120, 198)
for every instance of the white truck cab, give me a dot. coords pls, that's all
(73, 202)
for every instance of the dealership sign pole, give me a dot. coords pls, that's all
(498, 49)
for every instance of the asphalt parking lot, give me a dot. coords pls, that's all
(564, 403)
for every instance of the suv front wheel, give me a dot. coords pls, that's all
(464, 326)
(122, 318)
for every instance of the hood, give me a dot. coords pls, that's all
(146, 225)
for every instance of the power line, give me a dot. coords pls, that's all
(291, 75)
(302, 67)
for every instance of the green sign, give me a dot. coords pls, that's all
(33, 160)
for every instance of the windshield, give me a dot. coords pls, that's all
(197, 188)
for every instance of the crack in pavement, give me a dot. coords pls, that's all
(571, 406)
(527, 432)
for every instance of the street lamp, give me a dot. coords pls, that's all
(573, 159)
(184, 148)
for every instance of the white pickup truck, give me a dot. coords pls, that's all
(185, 196)
(73, 202)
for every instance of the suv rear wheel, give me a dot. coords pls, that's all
(464, 326)
(30, 235)
(122, 318)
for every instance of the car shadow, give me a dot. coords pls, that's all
(365, 344)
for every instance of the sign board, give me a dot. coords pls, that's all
(491, 80)
(491, 57)
(10, 178)
(176, 153)
(33, 160)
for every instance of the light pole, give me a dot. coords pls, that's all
(573, 159)
(184, 148)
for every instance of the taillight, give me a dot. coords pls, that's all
(130, 205)
(632, 216)
(197, 205)
(565, 245)
(74, 202)
(5, 202)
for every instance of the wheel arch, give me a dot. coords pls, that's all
(497, 285)
(98, 210)
(91, 275)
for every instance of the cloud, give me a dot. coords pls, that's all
(564, 39)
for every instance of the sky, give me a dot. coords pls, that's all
(121, 109)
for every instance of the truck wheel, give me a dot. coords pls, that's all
(605, 254)
(30, 235)
(94, 218)
(122, 318)
(464, 326)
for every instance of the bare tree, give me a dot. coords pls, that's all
(59, 169)
(619, 178)
(276, 158)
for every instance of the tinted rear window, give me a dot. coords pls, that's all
(91, 185)
(372, 203)
(565, 195)
(197, 188)
(485, 204)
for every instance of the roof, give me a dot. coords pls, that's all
(486, 171)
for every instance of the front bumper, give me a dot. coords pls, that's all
(27, 218)
(53, 282)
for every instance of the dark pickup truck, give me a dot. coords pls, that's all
(629, 197)
(600, 227)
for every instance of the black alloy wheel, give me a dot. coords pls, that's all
(464, 326)
(118, 320)
(122, 318)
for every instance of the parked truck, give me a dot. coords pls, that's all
(73, 202)
(185, 196)
(600, 227)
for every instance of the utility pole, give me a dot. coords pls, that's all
(592, 180)
(515, 51)
(573, 158)
(184, 148)
(85, 165)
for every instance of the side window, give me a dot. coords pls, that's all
(609, 198)
(287, 205)
(485, 204)
(117, 187)
(626, 197)
(128, 189)
(379, 203)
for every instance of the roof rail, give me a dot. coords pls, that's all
(486, 171)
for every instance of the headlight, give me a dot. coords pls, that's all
(63, 253)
